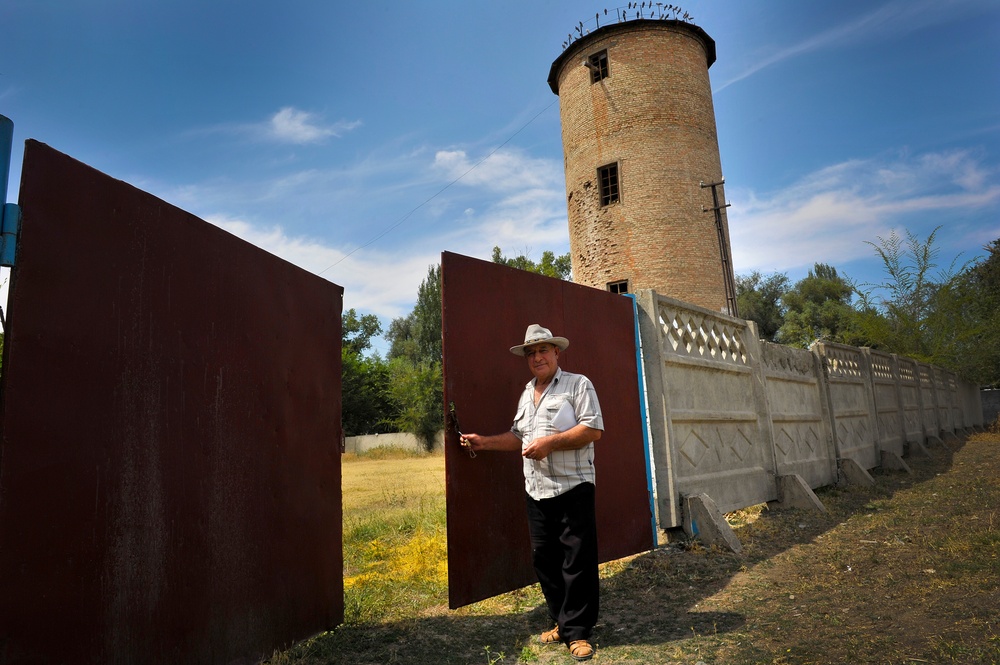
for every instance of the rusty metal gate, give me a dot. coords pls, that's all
(486, 310)
(170, 458)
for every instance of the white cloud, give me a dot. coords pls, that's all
(288, 125)
(293, 126)
(827, 216)
(378, 282)
(503, 170)
(371, 234)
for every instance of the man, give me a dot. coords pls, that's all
(558, 420)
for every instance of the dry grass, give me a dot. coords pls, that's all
(905, 572)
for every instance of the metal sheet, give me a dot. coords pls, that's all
(170, 469)
(486, 310)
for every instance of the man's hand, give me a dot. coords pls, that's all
(538, 449)
(476, 442)
(571, 439)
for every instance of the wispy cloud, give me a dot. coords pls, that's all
(889, 20)
(828, 215)
(504, 170)
(287, 125)
(293, 126)
(518, 205)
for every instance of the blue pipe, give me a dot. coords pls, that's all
(645, 429)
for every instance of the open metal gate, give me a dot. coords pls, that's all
(486, 308)
(170, 446)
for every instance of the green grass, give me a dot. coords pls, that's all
(907, 571)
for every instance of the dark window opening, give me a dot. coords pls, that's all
(598, 66)
(607, 176)
(618, 287)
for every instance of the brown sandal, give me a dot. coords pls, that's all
(581, 650)
(550, 636)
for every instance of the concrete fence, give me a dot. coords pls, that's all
(401, 440)
(735, 421)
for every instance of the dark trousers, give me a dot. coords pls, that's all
(563, 534)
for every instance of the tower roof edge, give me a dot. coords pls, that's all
(624, 26)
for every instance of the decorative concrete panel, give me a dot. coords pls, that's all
(700, 375)
(803, 443)
(852, 404)
(928, 401)
(944, 397)
(909, 399)
(885, 388)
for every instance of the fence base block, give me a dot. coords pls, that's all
(916, 449)
(704, 521)
(852, 473)
(794, 492)
(894, 462)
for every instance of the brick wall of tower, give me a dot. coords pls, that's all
(653, 115)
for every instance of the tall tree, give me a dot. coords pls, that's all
(417, 336)
(917, 310)
(366, 403)
(416, 381)
(961, 328)
(758, 298)
(819, 307)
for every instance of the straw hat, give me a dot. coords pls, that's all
(535, 334)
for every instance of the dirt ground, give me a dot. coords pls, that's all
(907, 571)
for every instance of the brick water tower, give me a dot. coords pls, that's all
(643, 174)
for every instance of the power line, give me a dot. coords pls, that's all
(439, 192)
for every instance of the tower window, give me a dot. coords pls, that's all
(607, 176)
(598, 66)
(618, 287)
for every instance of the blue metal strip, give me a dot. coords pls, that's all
(6, 146)
(645, 427)
(8, 234)
(10, 214)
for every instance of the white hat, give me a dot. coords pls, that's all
(535, 334)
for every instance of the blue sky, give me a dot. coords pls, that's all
(359, 140)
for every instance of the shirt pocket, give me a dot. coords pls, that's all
(559, 413)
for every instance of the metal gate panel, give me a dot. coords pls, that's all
(486, 308)
(169, 460)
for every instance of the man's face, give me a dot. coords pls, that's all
(543, 359)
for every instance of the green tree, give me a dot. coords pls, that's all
(366, 403)
(551, 266)
(417, 390)
(819, 307)
(906, 300)
(959, 328)
(416, 381)
(915, 311)
(758, 298)
(417, 336)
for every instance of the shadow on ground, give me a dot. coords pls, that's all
(652, 600)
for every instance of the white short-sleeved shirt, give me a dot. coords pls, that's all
(569, 399)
